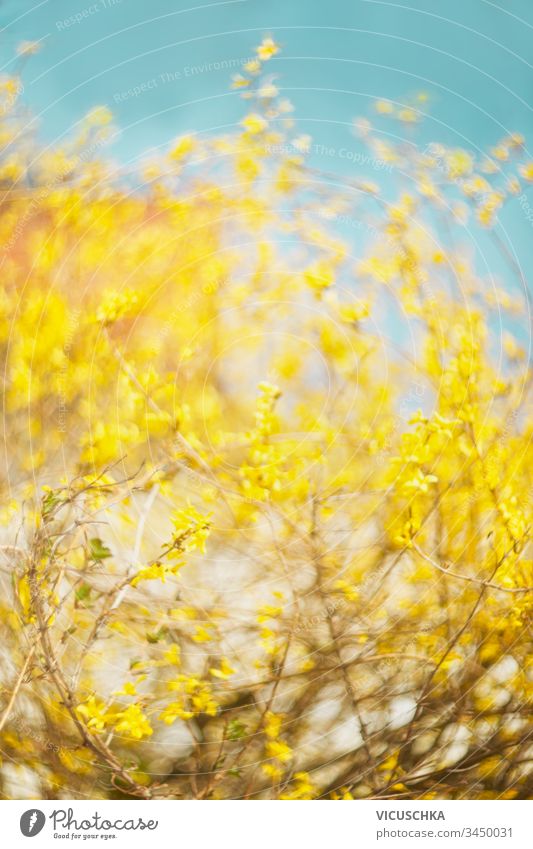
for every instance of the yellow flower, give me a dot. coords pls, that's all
(182, 147)
(408, 116)
(527, 171)
(155, 572)
(24, 595)
(254, 124)
(133, 723)
(128, 689)
(115, 305)
(240, 81)
(225, 670)
(384, 107)
(268, 91)
(253, 67)
(272, 724)
(458, 163)
(173, 655)
(347, 590)
(354, 312)
(28, 48)
(93, 714)
(279, 750)
(175, 711)
(267, 49)
(515, 140)
(202, 635)
(190, 529)
(273, 771)
(100, 116)
(194, 697)
(319, 277)
(500, 152)
(300, 787)
(268, 611)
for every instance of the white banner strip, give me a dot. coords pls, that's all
(254, 825)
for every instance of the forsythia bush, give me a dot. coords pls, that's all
(266, 490)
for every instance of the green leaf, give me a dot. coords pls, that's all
(49, 501)
(236, 730)
(98, 550)
(83, 592)
(155, 637)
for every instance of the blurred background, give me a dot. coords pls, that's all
(133, 331)
(472, 58)
(165, 68)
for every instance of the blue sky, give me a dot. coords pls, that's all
(471, 56)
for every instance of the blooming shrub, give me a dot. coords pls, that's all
(266, 481)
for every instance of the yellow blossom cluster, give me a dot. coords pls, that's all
(267, 491)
